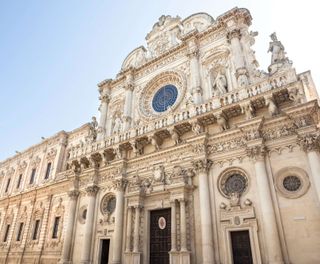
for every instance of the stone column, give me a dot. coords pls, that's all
(183, 226)
(67, 243)
(311, 145)
(193, 54)
(272, 239)
(105, 99)
(173, 226)
(86, 248)
(119, 185)
(129, 223)
(136, 229)
(234, 37)
(202, 167)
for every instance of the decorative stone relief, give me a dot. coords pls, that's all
(222, 121)
(256, 152)
(309, 142)
(232, 184)
(232, 144)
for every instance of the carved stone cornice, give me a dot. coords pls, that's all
(73, 195)
(309, 142)
(92, 190)
(256, 153)
(202, 166)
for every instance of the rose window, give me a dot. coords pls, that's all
(292, 183)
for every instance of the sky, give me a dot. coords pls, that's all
(53, 53)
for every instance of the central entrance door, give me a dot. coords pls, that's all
(160, 236)
(241, 248)
(105, 245)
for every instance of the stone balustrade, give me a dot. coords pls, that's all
(191, 113)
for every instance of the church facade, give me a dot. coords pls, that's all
(198, 157)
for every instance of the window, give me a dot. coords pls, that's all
(48, 171)
(36, 230)
(6, 234)
(33, 173)
(56, 227)
(20, 232)
(19, 181)
(8, 184)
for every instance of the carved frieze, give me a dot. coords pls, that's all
(309, 142)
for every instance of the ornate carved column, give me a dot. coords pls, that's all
(193, 54)
(91, 193)
(234, 37)
(136, 229)
(119, 185)
(311, 145)
(127, 111)
(73, 197)
(183, 225)
(202, 167)
(273, 245)
(173, 227)
(129, 223)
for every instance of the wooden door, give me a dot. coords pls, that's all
(160, 236)
(241, 248)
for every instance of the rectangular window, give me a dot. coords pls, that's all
(20, 232)
(48, 171)
(36, 230)
(8, 184)
(5, 238)
(56, 227)
(33, 173)
(19, 181)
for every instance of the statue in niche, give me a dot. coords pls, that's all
(277, 49)
(117, 124)
(93, 129)
(220, 84)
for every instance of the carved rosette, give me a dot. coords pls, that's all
(309, 142)
(120, 184)
(92, 190)
(73, 195)
(202, 166)
(256, 153)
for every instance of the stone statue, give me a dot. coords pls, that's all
(93, 129)
(175, 136)
(248, 110)
(117, 124)
(234, 199)
(222, 121)
(220, 84)
(277, 49)
(272, 107)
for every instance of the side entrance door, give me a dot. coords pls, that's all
(241, 248)
(160, 236)
(105, 244)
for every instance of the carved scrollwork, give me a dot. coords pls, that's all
(256, 152)
(92, 190)
(73, 195)
(202, 166)
(120, 184)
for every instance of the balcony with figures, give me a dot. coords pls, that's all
(274, 94)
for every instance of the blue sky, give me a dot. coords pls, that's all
(53, 53)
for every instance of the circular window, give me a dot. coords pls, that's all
(233, 181)
(164, 98)
(108, 204)
(292, 182)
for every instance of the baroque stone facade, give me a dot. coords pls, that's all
(198, 155)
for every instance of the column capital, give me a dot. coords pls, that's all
(202, 165)
(105, 98)
(73, 195)
(92, 190)
(256, 153)
(235, 33)
(120, 184)
(309, 142)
